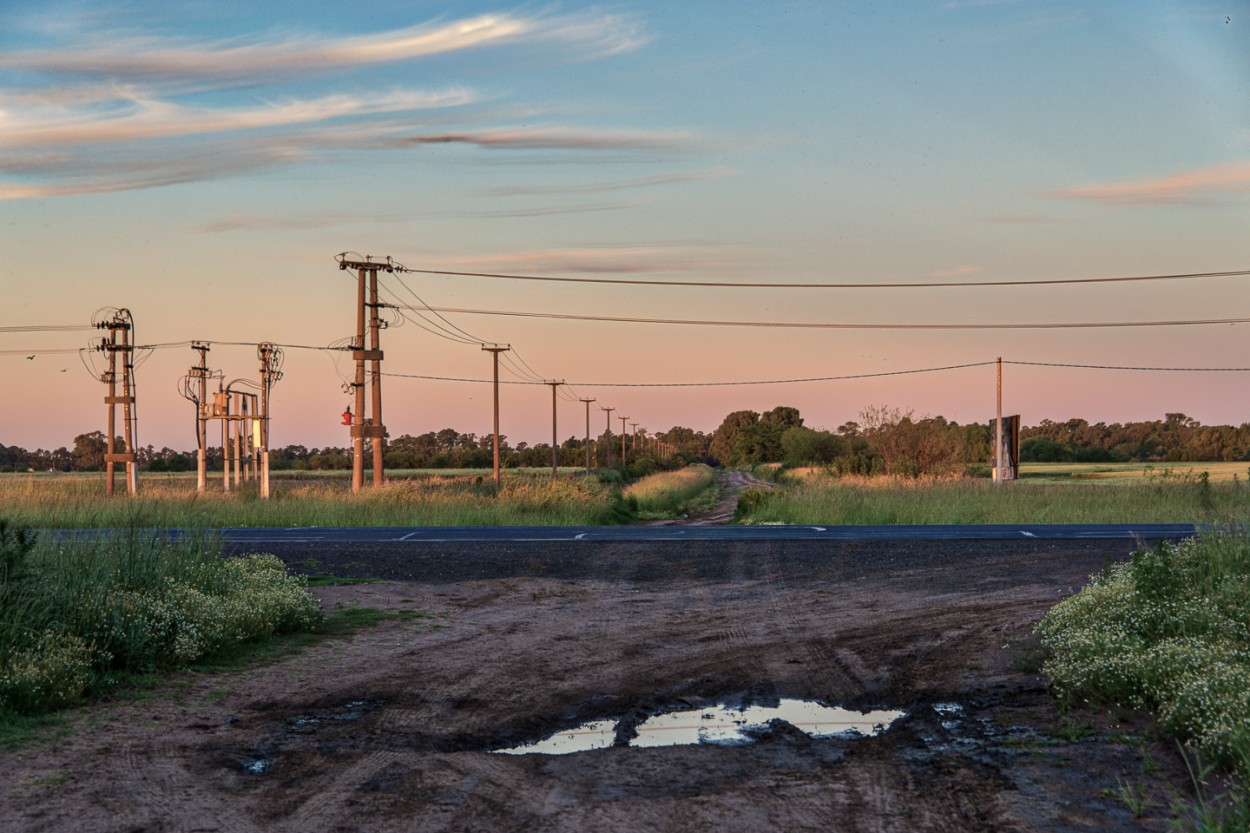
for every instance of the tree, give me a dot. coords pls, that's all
(725, 437)
(89, 450)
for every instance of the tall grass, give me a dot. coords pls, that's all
(74, 610)
(666, 494)
(522, 499)
(829, 500)
(1167, 632)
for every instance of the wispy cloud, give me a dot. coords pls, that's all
(145, 119)
(596, 187)
(120, 56)
(120, 111)
(1196, 186)
(555, 138)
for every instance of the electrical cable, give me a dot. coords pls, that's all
(856, 285)
(845, 326)
(1128, 367)
(46, 328)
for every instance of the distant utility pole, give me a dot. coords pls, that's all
(270, 372)
(367, 270)
(607, 443)
(121, 323)
(624, 460)
(587, 401)
(555, 448)
(496, 350)
(634, 427)
(195, 389)
(998, 428)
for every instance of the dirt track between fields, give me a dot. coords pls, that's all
(392, 730)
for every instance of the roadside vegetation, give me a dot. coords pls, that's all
(668, 494)
(1169, 633)
(79, 502)
(80, 614)
(822, 497)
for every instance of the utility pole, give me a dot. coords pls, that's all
(367, 270)
(122, 322)
(587, 401)
(200, 374)
(270, 372)
(624, 460)
(608, 439)
(555, 448)
(496, 350)
(634, 427)
(998, 428)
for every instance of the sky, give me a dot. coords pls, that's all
(201, 164)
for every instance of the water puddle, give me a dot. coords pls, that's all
(722, 724)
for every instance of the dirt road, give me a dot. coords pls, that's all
(393, 730)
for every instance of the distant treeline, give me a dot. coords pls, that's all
(885, 440)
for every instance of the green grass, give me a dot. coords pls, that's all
(667, 494)
(23, 730)
(1169, 633)
(829, 500)
(78, 501)
(79, 613)
(1135, 473)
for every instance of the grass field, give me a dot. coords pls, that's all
(1137, 497)
(1134, 472)
(78, 501)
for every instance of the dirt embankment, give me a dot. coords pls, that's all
(393, 730)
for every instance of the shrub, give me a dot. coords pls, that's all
(78, 608)
(1169, 632)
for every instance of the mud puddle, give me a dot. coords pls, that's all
(721, 724)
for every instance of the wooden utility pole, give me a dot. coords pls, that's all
(587, 401)
(200, 375)
(496, 350)
(607, 443)
(998, 428)
(270, 372)
(121, 323)
(555, 447)
(367, 272)
(624, 459)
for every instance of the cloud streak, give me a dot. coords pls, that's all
(145, 58)
(1195, 186)
(129, 112)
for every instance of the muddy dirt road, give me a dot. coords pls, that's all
(394, 729)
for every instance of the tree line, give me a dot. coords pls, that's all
(885, 440)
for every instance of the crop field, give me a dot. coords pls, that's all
(1221, 472)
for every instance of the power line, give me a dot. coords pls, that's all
(844, 377)
(849, 285)
(1127, 367)
(46, 328)
(844, 326)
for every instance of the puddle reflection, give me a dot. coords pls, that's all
(722, 725)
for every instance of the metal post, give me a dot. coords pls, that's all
(201, 421)
(225, 442)
(588, 401)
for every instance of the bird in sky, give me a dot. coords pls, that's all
(30, 357)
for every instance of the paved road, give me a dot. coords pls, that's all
(517, 534)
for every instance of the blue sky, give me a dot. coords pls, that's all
(201, 163)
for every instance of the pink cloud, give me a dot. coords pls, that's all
(1191, 186)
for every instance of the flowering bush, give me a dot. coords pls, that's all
(135, 603)
(1169, 632)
